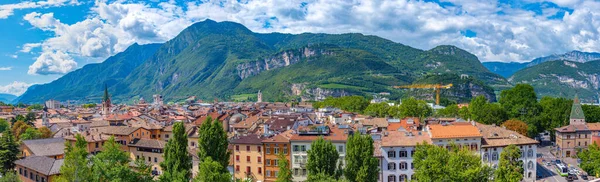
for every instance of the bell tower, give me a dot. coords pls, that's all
(577, 117)
(106, 102)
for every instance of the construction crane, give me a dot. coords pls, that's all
(436, 87)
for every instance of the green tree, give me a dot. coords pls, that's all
(360, 163)
(30, 118)
(143, 170)
(555, 113)
(449, 111)
(10, 177)
(19, 128)
(412, 107)
(592, 113)
(510, 168)
(45, 132)
(433, 163)
(212, 142)
(322, 177)
(322, 158)
(347, 103)
(35, 107)
(482, 111)
(112, 164)
(9, 149)
(177, 163)
(30, 134)
(590, 159)
(284, 174)
(520, 102)
(4, 125)
(377, 109)
(76, 164)
(212, 171)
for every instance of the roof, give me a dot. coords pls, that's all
(453, 131)
(46, 147)
(147, 143)
(247, 139)
(573, 128)
(335, 134)
(404, 123)
(495, 136)
(404, 138)
(576, 111)
(593, 126)
(117, 130)
(279, 138)
(45, 165)
(379, 122)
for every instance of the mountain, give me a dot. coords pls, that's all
(507, 69)
(88, 81)
(562, 79)
(7, 98)
(504, 69)
(226, 60)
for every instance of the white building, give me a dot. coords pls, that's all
(53, 104)
(301, 141)
(397, 147)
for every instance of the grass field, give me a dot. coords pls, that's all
(244, 97)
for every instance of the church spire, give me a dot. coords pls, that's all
(577, 116)
(106, 97)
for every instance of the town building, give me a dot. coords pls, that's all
(150, 150)
(397, 150)
(95, 140)
(303, 137)
(38, 169)
(124, 134)
(248, 153)
(49, 147)
(275, 146)
(577, 135)
(52, 104)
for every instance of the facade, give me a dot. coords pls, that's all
(52, 104)
(95, 141)
(150, 150)
(248, 156)
(125, 134)
(300, 143)
(577, 135)
(274, 146)
(397, 147)
(38, 169)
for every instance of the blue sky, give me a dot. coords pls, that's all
(43, 40)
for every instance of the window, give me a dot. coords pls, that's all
(155, 159)
(37, 178)
(296, 148)
(247, 158)
(495, 156)
(237, 168)
(259, 159)
(276, 173)
(25, 174)
(259, 170)
(403, 177)
(586, 144)
(412, 153)
(193, 144)
(303, 148)
(530, 165)
(31, 175)
(340, 148)
(43, 179)
(268, 173)
(276, 163)
(391, 178)
(403, 153)
(403, 166)
(412, 166)
(248, 170)
(248, 148)
(296, 171)
(285, 150)
(237, 158)
(149, 159)
(303, 172)
(268, 149)
(486, 157)
(268, 162)
(259, 149)
(391, 166)
(530, 153)
(237, 147)
(276, 150)
(391, 154)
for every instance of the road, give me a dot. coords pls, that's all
(548, 173)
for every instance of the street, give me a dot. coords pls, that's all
(548, 173)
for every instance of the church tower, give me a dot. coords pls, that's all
(106, 102)
(577, 117)
(259, 95)
(45, 121)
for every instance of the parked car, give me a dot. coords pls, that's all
(558, 161)
(584, 177)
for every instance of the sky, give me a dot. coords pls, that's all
(43, 40)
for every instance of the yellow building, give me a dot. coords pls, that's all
(38, 168)
(248, 157)
(273, 146)
(95, 140)
(150, 150)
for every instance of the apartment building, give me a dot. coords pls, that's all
(38, 169)
(248, 156)
(397, 150)
(150, 150)
(274, 146)
(301, 140)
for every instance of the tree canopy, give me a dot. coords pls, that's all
(590, 160)
(516, 125)
(212, 142)
(361, 166)
(76, 164)
(322, 158)
(433, 163)
(177, 163)
(9, 149)
(510, 167)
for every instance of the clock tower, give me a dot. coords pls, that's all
(577, 117)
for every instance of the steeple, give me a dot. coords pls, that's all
(106, 97)
(106, 102)
(577, 116)
(45, 121)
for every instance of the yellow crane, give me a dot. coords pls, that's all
(436, 87)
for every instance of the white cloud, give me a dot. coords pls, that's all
(7, 10)
(52, 63)
(14, 56)
(5, 68)
(29, 46)
(15, 88)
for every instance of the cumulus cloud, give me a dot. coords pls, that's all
(52, 63)
(15, 88)
(26, 48)
(7, 10)
(503, 32)
(5, 68)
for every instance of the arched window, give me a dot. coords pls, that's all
(391, 166)
(391, 178)
(530, 165)
(486, 157)
(530, 153)
(403, 177)
(403, 166)
(495, 156)
(474, 146)
(529, 175)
